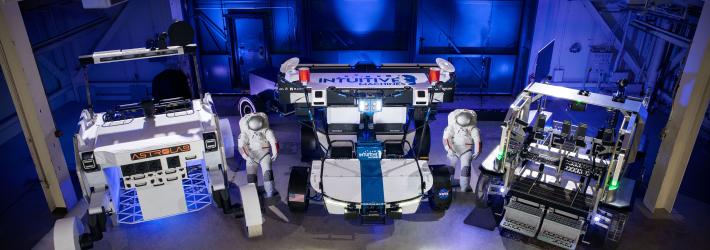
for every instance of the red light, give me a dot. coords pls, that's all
(434, 74)
(304, 75)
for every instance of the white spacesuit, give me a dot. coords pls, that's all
(258, 147)
(462, 142)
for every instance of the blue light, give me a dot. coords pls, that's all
(195, 186)
(360, 17)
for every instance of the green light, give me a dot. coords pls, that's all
(501, 154)
(614, 185)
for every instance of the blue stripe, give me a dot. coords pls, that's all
(371, 184)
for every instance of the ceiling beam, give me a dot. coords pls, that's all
(70, 35)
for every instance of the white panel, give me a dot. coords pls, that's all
(319, 101)
(347, 115)
(297, 97)
(162, 201)
(367, 80)
(401, 180)
(420, 101)
(391, 115)
(341, 179)
(593, 98)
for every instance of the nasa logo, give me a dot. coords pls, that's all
(443, 194)
(160, 152)
(370, 154)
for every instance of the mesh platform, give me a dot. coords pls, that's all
(550, 195)
(197, 196)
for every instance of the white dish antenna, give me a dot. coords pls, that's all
(289, 65)
(445, 65)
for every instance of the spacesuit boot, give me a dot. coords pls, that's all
(462, 142)
(464, 181)
(258, 146)
(269, 189)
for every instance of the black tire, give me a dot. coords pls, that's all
(595, 236)
(309, 145)
(422, 148)
(298, 190)
(222, 200)
(440, 194)
(481, 192)
(97, 225)
(249, 104)
(85, 241)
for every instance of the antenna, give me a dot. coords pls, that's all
(289, 65)
(445, 65)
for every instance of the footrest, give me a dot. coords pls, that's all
(560, 230)
(521, 217)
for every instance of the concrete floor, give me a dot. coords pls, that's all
(210, 229)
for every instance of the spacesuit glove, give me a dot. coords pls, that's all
(273, 157)
(473, 157)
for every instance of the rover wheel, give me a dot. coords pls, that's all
(481, 191)
(251, 206)
(309, 145)
(594, 236)
(298, 190)
(249, 104)
(97, 225)
(422, 147)
(440, 195)
(222, 200)
(86, 241)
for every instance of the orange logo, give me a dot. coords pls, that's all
(160, 152)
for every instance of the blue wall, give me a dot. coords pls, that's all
(468, 33)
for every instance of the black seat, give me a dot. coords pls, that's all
(394, 149)
(561, 138)
(171, 83)
(341, 152)
(539, 128)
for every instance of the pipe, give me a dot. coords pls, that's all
(661, 33)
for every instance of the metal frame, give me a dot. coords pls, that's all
(609, 187)
(33, 111)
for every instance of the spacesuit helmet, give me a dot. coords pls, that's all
(465, 119)
(255, 123)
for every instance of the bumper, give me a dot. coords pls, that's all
(334, 206)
